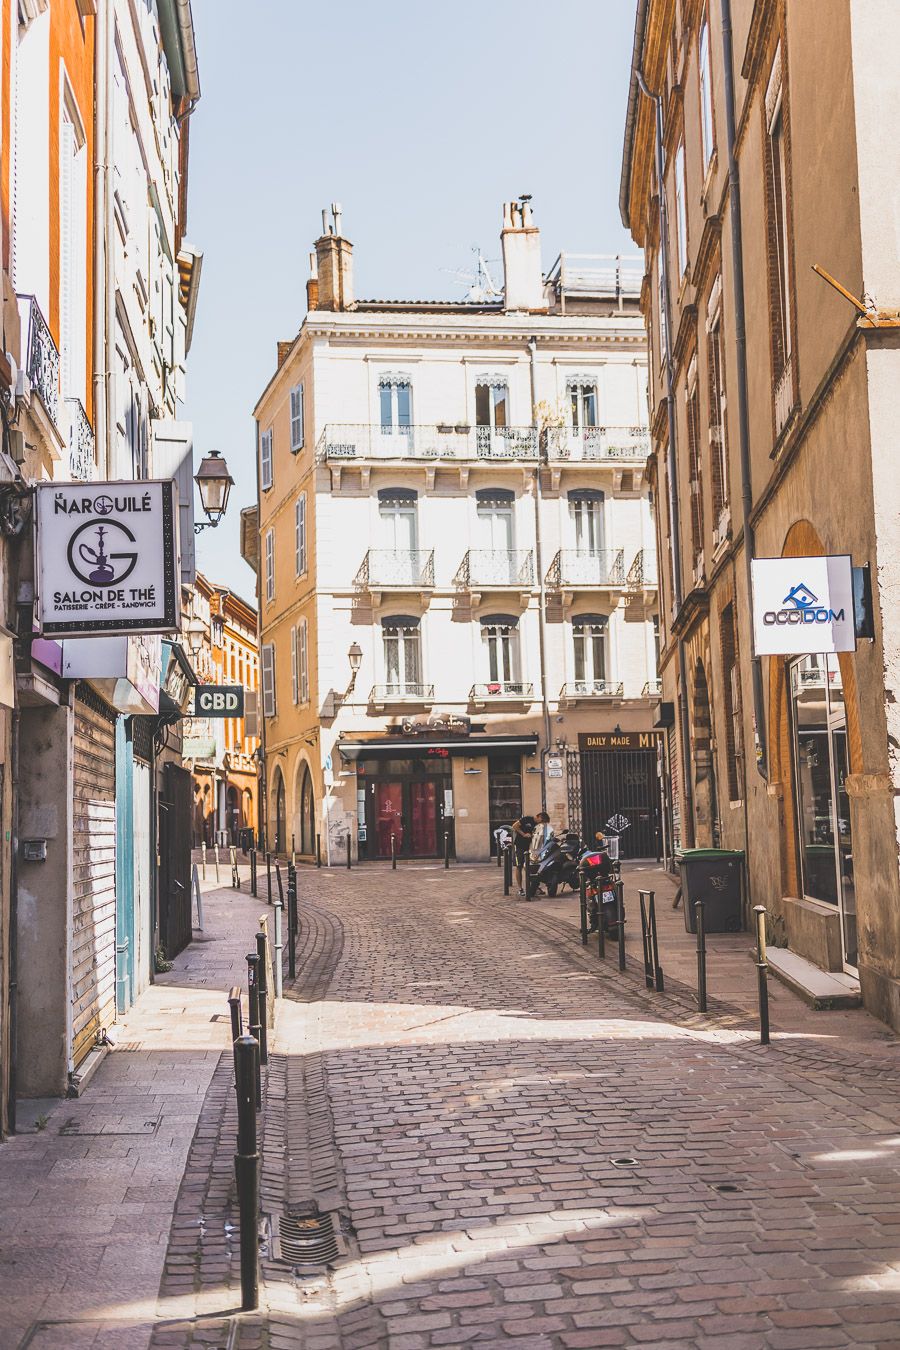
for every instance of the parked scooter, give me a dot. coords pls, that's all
(599, 872)
(557, 864)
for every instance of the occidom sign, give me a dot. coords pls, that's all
(803, 605)
(106, 558)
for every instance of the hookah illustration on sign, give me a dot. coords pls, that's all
(103, 573)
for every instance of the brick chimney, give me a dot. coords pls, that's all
(521, 241)
(312, 286)
(334, 264)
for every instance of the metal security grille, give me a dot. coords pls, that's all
(622, 783)
(573, 790)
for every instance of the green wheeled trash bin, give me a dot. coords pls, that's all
(715, 876)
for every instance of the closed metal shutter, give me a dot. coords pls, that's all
(674, 782)
(94, 872)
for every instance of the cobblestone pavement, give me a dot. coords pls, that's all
(515, 1145)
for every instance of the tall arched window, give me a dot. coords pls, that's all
(582, 402)
(586, 507)
(307, 813)
(500, 635)
(397, 512)
(280, 814)
(589, 637)
(402, 654)
(395, 404)
(494, 507)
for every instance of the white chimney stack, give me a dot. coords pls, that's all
(521, 242)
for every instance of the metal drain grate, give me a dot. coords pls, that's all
(306, 1239)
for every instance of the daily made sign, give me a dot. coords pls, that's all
(106, 558)
(803, 605)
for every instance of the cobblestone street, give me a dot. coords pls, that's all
(518, 1146)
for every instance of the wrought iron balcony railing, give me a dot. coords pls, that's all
(401, 692)
(652, 689)
(41, 355)
(591, 689)
(604, 570)
(397, 568)
(496, 567)
(446, 441)
(593, 443)
(480, 693)
(642, 573)
(81, 442)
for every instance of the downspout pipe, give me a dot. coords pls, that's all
(687, 789)
(539, 564)
(101, 188)
(740, 337)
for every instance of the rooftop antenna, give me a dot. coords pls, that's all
(480, 283)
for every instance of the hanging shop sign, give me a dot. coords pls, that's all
(219, 700)
(803, 605)
(106, 558)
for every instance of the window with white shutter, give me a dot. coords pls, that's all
(265, 460)
(293, 665)
(270, 565)
(300, 533)
(303, 661)
(296, 419)
(268, 679)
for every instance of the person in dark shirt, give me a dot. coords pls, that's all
(522, 831)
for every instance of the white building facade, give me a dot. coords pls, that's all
(457, 572)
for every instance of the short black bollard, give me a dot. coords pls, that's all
(601, 932)
(262, 980)
(348, 850)
(499, 859)
(278, 879)
(507, 870)
(699, 908)
(246, 1167)
(620, 921)
(235, 874)
(654, 946)
(393, 854)
(237, 1028)
(762, 973)
(446, 849)
(253, 871)
(292, 921)
(645, 941)
(528, 876)
(582, 901)
(253, 1023)
(318, 850)
(268, 883)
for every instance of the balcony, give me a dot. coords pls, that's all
(642, 574)
(578, 570)
(652, 689)
(81, 442)
(386, 695)
(41, 356)
(395, 569)
(503, 691)
(581, 691)
(492, 569)
(599, 443)
(451, 442)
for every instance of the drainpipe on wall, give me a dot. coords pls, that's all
(687, 790)
(101, 240)
(740, 337)
(542, 599)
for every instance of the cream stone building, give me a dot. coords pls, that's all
(456, 560)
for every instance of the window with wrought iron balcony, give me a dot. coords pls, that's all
(402, 665)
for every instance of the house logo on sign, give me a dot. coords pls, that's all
(802, 606)
(800, 596)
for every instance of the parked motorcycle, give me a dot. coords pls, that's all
(557, 864)
(599, 872)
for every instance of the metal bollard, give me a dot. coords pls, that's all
(528, 875)
(237, 1028)
(701, 954)
(279, 949)
(262, 979)
(318, 850)
(654, 946)
(268, 883)
(446, 849)
(203, 859)
(216, 860)
(278, 879)
(499, 859)
(601, 935)
(235, 874)
(620, 921)
(762, 973)
(253, 1015)
(393, 854)
(348, 850)
(292, 922)
(246, 1168)
(582, 901)
(507, 870)
(645, 941)
(253, 871)
(293, 849)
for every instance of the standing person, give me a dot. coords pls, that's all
(522, 831)
(539, 837)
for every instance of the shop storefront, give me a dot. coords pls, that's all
(614, 786)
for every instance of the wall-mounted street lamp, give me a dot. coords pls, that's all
(354, 656)
(214, 483)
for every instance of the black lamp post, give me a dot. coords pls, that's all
(215, 483)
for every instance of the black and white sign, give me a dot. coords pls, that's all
(219, 700)
(803, 605)
(106, 558)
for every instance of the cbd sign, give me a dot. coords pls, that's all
(218, 700)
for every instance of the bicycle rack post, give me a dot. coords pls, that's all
(645, 940)
(654, 946)
(699, 908)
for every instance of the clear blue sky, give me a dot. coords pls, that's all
(421, 120)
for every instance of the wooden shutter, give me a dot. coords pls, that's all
(303, 660)
(300, 533)
(297, 419)
(270, 565)
(268, 679)
(265, 460)
(294, 685)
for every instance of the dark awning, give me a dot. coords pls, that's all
(401, 747)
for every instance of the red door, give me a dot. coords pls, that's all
(423, 801)
(389, 817)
